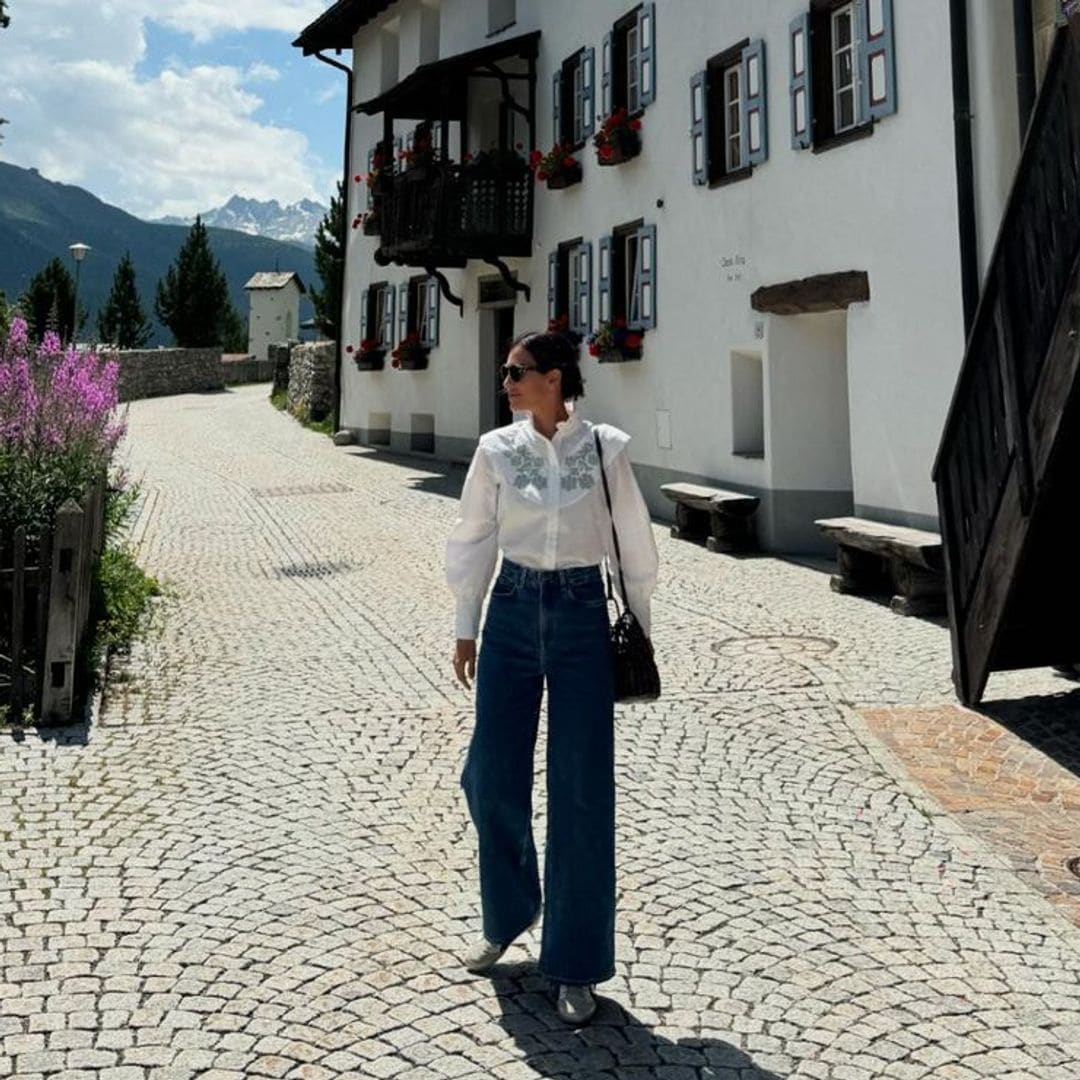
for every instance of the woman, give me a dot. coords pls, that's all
(534, 492)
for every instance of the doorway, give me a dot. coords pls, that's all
(497, 302)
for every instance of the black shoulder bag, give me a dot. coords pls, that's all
(636, 677)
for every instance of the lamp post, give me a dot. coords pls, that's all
(78, 253)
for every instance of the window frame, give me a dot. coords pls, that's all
(575, 119)
(377, 302)
(852, 88)
(822, 81)
(631, 70)
(569, 288)
(717, 134)
(627, 280)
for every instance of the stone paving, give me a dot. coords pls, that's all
(256, 861)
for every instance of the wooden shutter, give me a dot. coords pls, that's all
(646, 23)
(370, 169)
(582, 286)
(699, 127)
(603, 281)
(553, 286)
(387, 329)
(588, 93)
(363, 314)
(643, 290)
(403, 310)
(877, 59)
(755, 128)
(433, 301)
(801, 83)
(607, 52)
(556, 107)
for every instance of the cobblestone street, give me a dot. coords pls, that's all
(257, 861)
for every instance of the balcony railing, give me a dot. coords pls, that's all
(443, 214)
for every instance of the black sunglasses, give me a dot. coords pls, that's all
(515, 371)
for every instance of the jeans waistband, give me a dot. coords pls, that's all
(570, 575)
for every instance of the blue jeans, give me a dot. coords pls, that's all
(553, 625)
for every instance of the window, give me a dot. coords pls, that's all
(377, 315)
(843, 70)
(418, 310)
(747, 405)
(570, 286)
(628, 62)
(573, 102)
(501, 14)
(626, 282)
(728, 128)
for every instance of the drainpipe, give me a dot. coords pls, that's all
(346, 187)
(965, 163)
(1024, 36)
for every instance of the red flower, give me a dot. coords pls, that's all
(358, 178)
(568, 162)
(635, 125)
(541, 175)
(395, 362)
(633, 341)
(607, 152)
(594, 350)
(348, 348)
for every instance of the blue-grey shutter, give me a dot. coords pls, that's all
(588, 92)
(877, 59)
(363, 314)
(403, 310)
(755, 128)
(646, 22)
(603, 281)
(553, 286)
(582, 280)
(643, 291)
(556, 108)
(699, 127)
(433, 301)
(370, 169)
(606, 54)
(387, 329)
(801, 86)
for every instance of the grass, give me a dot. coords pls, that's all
(280, 400)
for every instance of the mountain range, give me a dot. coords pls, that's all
(296, 222)
(40, 219)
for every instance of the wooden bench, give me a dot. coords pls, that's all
(875, 558)
(724, 519)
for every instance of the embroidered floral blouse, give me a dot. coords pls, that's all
(541, 502)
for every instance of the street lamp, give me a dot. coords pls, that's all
(78, 253)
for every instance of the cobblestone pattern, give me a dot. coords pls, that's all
(146, 373)
(258, 862)
(1019, 788)
(311, 379)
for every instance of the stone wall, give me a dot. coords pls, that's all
(278, 355)
(158, 372)
(312, 387)
(246, 369)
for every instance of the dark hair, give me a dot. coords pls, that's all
(555, 352)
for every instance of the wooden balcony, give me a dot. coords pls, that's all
(1007, 469)
(443, 214)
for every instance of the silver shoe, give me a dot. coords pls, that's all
(576, 1004)
(483, 955)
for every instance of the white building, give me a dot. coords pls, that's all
(789, 242)
(274, 300)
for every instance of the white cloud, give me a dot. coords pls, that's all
(178, 142)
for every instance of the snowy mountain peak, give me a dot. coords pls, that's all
(296, 222)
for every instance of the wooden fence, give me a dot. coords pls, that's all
(45, 587)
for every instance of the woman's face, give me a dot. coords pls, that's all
(535, 388)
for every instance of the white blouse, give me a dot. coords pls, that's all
(541, 502)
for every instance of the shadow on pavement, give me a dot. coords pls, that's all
(614, 1046)
(1050, 723)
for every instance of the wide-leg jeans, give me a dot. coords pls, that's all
(553, 625)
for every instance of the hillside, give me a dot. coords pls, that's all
(40, 218)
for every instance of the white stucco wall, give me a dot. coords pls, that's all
(885, 204)
(274, 315)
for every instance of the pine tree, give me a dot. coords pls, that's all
(122, 321)
(193, 297)
(51, 289)
(330, 265)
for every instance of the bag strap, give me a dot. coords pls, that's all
(614, 533)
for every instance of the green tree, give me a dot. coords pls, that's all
(193, 297)
(51, 292)
(330, 265)
(122, 321)
(6, 315)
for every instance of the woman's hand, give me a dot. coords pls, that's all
(465, 661)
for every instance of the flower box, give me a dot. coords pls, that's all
(371, 360)
(618, 140)
(619, 355)
(613, 343)
(565, 177)
(410, 355)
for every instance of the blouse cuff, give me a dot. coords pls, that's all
(467, 617)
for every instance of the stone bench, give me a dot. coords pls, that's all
(875, 558)
(724, 519)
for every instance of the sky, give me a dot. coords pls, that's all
(171, 106)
